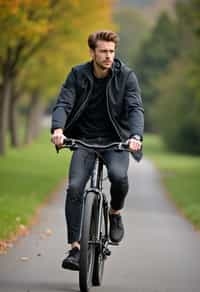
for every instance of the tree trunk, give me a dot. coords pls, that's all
(4, 113)
(34, 117)
(13, 119)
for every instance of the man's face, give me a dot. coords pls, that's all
(103, 55)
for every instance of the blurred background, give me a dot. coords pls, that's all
(41, 40)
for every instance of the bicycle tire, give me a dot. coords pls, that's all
(87, 251)
(99, 252)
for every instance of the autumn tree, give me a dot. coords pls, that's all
(32, 30)
(23, 27)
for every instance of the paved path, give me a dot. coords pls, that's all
(160, 253)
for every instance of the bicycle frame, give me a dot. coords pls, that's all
(96, 178)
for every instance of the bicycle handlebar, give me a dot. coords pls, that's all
(75, 143)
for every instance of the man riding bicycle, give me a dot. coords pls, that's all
(99, 103)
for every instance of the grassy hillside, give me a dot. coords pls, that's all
(180, 174)
(27, 178)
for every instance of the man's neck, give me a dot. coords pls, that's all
(100, 73)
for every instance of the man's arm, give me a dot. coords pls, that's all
(62, 109)
(65, 103)
(135, 112)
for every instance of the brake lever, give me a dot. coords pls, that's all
(57, 149)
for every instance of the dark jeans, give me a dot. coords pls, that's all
(81, 167)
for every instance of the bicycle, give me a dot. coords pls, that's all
(94, 230)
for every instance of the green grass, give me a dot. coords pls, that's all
(181, 176)
(30, 174)
(27, 177)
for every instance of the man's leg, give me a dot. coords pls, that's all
(80, 170)
(117, 166)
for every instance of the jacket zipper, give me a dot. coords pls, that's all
(108, 109)
(80, 109)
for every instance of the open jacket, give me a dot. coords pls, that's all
(124, 103)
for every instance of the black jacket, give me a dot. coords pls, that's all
(124, 103)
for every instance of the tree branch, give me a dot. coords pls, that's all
(18, 51)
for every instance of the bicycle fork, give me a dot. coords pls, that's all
(102, 214)
(101, 218)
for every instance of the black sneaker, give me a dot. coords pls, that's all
(116, 228)
(72, 261)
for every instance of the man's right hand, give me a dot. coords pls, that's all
(57, 137)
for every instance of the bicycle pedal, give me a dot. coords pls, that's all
(107, 252)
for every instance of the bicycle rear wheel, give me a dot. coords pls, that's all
(100, 255)
(87, 251)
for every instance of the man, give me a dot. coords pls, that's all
(99, 103)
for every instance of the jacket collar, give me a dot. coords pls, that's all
(115, 69)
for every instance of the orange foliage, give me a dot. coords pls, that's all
(60, 26)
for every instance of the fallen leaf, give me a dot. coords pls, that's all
(9, 245)
(23, 230)
(48, 231)
(4, 245)
(24, 259)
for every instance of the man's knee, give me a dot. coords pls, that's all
(74, 192)
(116, 176)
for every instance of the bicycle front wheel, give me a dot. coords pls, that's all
(87, 251)
(100, 254)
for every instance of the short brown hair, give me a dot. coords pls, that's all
(105, 35)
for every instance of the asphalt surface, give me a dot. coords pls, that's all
(160, 252)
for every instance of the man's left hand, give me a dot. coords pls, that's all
(134, 145)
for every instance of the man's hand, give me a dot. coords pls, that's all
(134, 144)
(57, 138)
